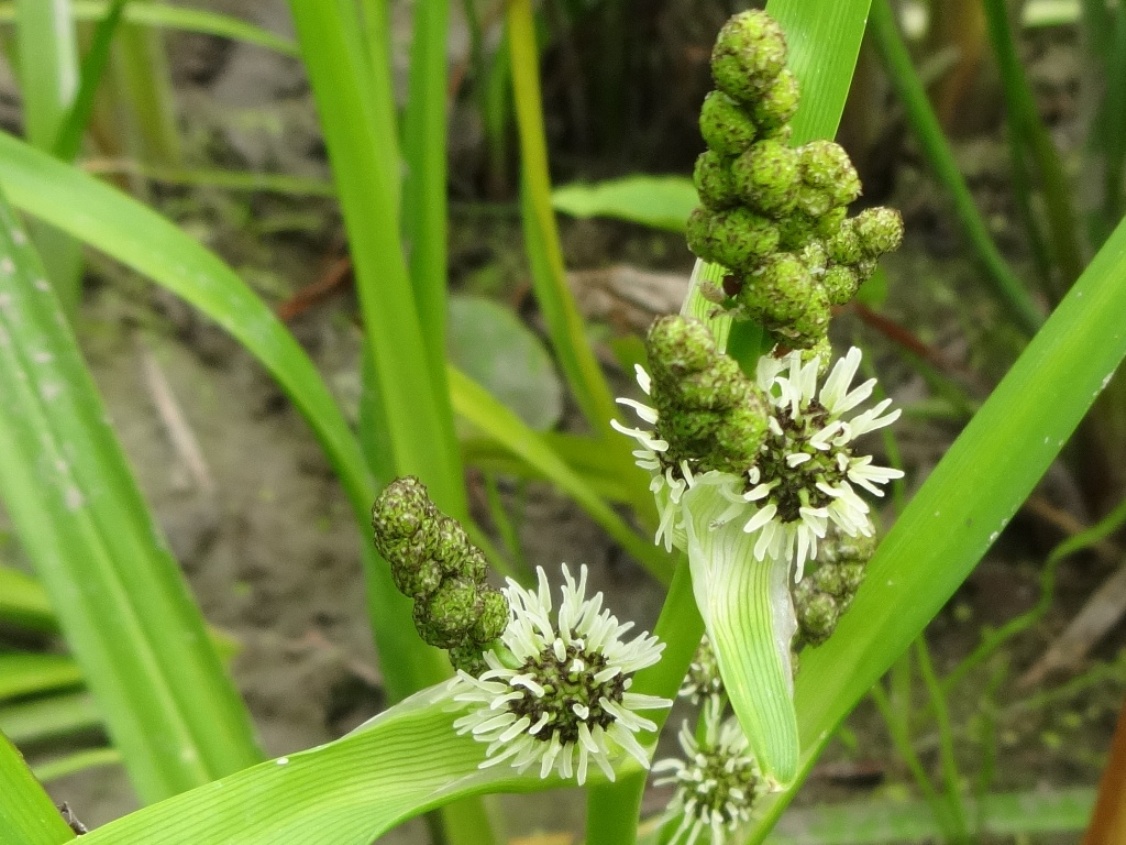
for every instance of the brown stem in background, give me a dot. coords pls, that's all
(1108, 822)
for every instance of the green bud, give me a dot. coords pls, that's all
(713, 181)
(826, 165)
(766, 176)
(780, 290)
(844, 246)
(447, 617)
(840, 283)
(416, 575)
(493, 618)
(811, 327)
(726, 127)
(796, 230)
(740, 238)
(778, 103)
(399, 511)
(434, 563)
(469, 659)
(811, 201)
(749, 53)
(698, 233)
(817, 614)
(829, 224)
(880, 230)
(710, 412)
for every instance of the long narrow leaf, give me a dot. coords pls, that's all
(177, 17)
(24, 603)
(129, 619)
(476, 404)
(969, 498)
(28, 816)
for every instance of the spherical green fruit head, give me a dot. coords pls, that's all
(725, 125)
(749, 53)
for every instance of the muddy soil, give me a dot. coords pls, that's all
(266, 539)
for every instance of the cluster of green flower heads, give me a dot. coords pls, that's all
(434, 563)
(711, 414)
(825, 593)
(774, 215)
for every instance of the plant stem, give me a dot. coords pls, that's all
(901, 72)
(613, 808)
(1024, 121)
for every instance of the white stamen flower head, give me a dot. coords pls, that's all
(716, 782)
(703, 681)
(560, 697)
(805, 475)
(667, 479)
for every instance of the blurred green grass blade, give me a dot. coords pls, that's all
(234, 180)
(1023, 117)
(347, 792)
(969, 497)
(48, 74)
(27, 673)
(1006, 286)
(144, 84)
(24, 603)
(177, 17)
(824, 40)
(479, 407)
(580, 453)
(49, 717)
(68, 137)
(662, 202)
(880, 822)
(549, 278)
(130, 620)
(140, 238)
(79, 761)
(28, 816)
(417, 413)
(424, 183)
(48, 66)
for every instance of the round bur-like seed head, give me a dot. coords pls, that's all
(749, 53)
(766, 176)
(778, 103)
(725, 125)
(713, 181)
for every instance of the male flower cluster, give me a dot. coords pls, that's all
(774, 215)
(434, 563)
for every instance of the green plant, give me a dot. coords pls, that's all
(141, 644)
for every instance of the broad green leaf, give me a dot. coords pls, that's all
(490, 345)
(28, 816)
(663, 202)
(405, 761)
(26, 673)
(129, 619)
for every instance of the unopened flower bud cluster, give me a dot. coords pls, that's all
(434, 563)
(774, 215)
(822, 597)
